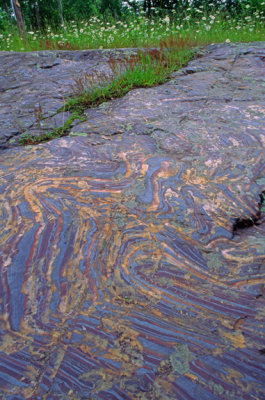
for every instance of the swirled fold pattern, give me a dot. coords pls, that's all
(133, 267)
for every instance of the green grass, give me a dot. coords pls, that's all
(138, 31)
(146, 70)
(28, 139)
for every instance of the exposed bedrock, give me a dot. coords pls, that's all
(129, 269)
(34, 85)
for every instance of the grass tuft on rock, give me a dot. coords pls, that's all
(148, 68)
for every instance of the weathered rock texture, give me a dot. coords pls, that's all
(132, 254)
(33, 86)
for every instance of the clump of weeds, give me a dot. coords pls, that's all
(147, 68)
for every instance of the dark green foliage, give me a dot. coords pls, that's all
(45, 12)
(111, 7)
(38, 14)
(4, 18)
(80, 9)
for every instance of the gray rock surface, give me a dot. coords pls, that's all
(33, 86)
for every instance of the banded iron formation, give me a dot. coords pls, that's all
(132, 251)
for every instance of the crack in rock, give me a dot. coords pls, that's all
(248, 221)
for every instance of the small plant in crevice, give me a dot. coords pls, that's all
(28, 139)
(38, 114)
(87, 81)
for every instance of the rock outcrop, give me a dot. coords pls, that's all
(132, 252)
